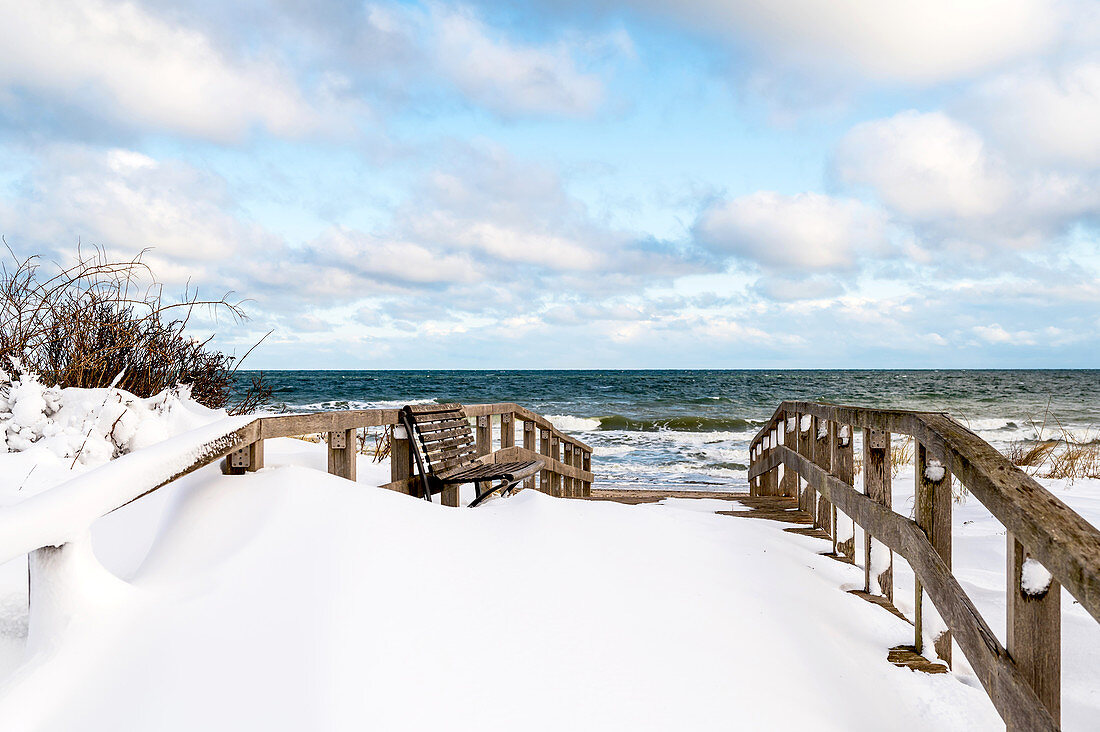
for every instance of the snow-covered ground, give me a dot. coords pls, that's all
(291, 599)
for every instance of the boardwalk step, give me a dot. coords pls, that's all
(907, 657)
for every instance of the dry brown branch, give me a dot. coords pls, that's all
(84, 323)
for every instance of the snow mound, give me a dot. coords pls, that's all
(63, 431)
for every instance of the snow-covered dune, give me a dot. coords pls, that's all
(290, 599)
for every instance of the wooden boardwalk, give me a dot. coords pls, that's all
(785, 510)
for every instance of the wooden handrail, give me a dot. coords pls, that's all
(25, 527)
(1023, 681)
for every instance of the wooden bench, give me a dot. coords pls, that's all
(446, 455)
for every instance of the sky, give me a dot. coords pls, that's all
(599, 184)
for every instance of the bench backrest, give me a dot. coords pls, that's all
(441, 437)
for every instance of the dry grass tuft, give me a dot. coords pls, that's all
(101, 322)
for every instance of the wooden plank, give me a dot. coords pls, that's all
(519, 454)
(805, 447)
(932, 491)
(440, 430)
(529, 443)
(1034, 637)
(544, 449)
(823, 458)
(876, 486)
(788, 485)
(507, 430)
(567, 458)
(256, 456)
(421, 409)
(483, 434)
(555, 477)
(342, 460)
(578, 463)
(1007, 687)
(586, 466)
(451, 433)
(844, 469)
(771, 485)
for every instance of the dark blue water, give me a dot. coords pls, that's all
(690, 428)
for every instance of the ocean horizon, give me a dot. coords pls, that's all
(690, 428)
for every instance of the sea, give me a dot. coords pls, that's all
(690, 429)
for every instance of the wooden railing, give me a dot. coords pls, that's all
(568, 461)
(814, 443)
(43, 525)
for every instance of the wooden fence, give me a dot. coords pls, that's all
(814, 444)
(568, 461)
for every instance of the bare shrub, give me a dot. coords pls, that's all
(99, 322)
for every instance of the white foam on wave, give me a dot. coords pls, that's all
(569, 423)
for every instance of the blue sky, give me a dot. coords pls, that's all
(608, 184)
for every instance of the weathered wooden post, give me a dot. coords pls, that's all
(567, 458)
(483, 441)
(805, 430)
(876, 485)
(529, 444)
(788, 484)
(932, 493)
(555, 478)
(342, 451)
(256, 456)
(507, 431)
(773, 474)
(844, 469)
(586, 466)
(1035, 627)
(544, 449)
(823, 458)
(754, 483)
(238, 461)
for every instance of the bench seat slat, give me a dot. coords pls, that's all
(441, 426)
(491, 471)
(444, 435)
(418, 409)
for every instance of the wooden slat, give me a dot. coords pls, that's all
(445, 434)
(933, 515)
(342, 461)
(823, 458)
(529, 443)
(442, 426)
(788, 486)
(421, 409)
(844, 469)
(519, 454)
(555, 476)
(1034, 637)
(876, 486)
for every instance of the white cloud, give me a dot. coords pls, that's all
(921, 42)
(942, 176)
(1047, 115)
(508, 77)
(127, 202)
(491, 70)
(391, 260)
(925, 166)
(119, 60)
(807, 231)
